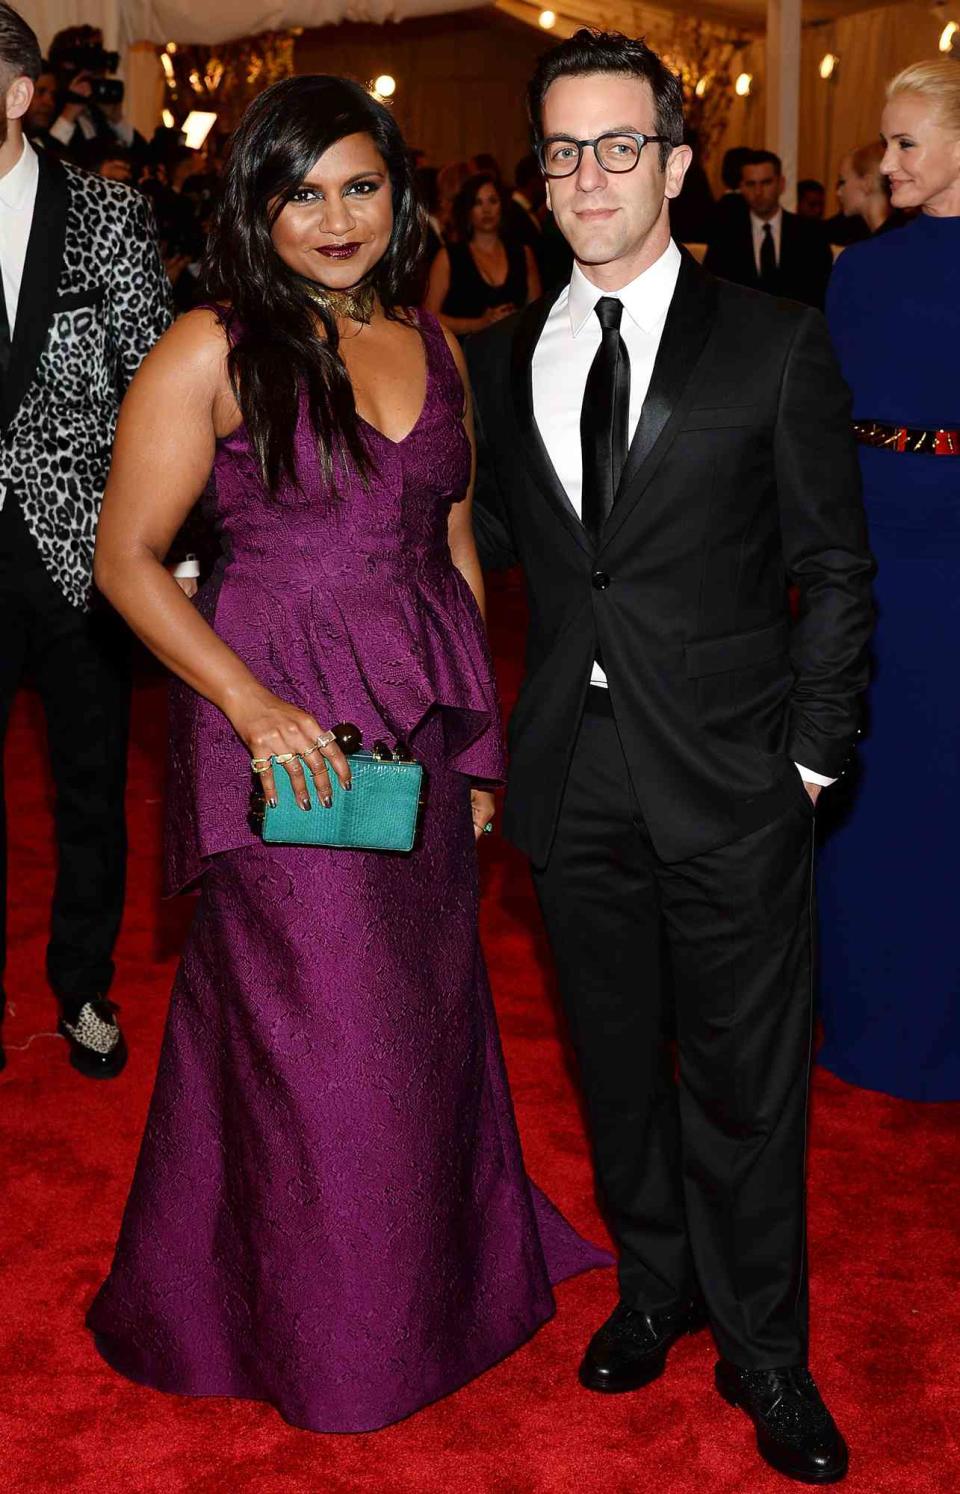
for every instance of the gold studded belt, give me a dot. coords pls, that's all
(937, 442)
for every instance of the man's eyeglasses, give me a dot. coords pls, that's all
(561, 156)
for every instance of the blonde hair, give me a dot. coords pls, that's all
(938, 80)
(866, 159)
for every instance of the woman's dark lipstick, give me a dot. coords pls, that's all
(339, 251)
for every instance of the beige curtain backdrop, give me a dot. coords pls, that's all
(844, 112)
(461, 75)
(460, 79)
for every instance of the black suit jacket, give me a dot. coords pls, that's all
(805, 256)
(742, 479)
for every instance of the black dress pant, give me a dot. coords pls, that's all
(700, 1162)
(80, 665)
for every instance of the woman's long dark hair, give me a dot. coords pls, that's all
(276, 352)
(466, 200)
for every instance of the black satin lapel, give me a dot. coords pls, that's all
(41, 274)
(688, 325)
(525, 339)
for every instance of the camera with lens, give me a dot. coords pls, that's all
(80, 50)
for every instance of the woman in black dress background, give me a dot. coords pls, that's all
(481, 276)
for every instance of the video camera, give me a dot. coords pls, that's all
(90, 58)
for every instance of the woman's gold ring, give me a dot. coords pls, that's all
(260, 764)
(325, 739)
(311, 750)
(284, 757)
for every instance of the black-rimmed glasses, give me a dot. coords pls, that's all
(559, 155)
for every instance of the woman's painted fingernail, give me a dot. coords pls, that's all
(272, 803)
(327, 801)
(305, 803)
(348, 785)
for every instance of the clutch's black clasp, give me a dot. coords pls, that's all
(349, 737)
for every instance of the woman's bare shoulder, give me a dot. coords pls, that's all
(195, 347)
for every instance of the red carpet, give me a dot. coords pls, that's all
(884, 1218)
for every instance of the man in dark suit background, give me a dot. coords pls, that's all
(767, 247)
(665, 454)
(83, 298)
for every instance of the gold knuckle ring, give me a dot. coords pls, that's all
(310, 750)
(284, 757)
(260, 764)
(325, 738)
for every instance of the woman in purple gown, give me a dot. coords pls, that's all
(330, 1210)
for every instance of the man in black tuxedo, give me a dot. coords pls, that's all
(767, 247)
(83, 298)
(665, 454)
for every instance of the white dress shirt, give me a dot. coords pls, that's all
(567, 348)
(757, 225)
(18, 195)
(561, 362)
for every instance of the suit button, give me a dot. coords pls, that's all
(600, 580)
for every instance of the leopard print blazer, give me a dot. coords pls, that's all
(111, 302)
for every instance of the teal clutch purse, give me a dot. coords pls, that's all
(378, 814)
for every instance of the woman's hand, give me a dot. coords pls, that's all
(271, 727)
(494, 314)
(482, 808)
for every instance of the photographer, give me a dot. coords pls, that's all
(91, 100)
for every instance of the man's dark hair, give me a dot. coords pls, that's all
(588, 52)
(731, 170)
(19, 48)
(765, 158)
(809, 184)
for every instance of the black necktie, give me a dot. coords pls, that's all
(604, 419)
(768, 259)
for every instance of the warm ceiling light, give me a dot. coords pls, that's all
(828, 65)
(167, 66)
(947, 34)
(197, 126)
(547, 19)
(743, 85)
(385, 86)
(171, 47)
(168, 119)
(702, 85)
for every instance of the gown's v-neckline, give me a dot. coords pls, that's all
(423, 408)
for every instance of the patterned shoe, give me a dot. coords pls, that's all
(795, 1432)
(97, 1046)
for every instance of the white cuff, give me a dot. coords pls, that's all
(809, 776)
(186, 569)
(62, 130)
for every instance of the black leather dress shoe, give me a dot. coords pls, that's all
(631, 1348)
(795, 1432)
(97, 1046)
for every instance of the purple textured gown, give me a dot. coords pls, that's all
(330, 1210)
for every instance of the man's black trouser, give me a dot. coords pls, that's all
(702, 1174)
(79, 663)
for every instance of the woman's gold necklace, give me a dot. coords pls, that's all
(356, 305)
